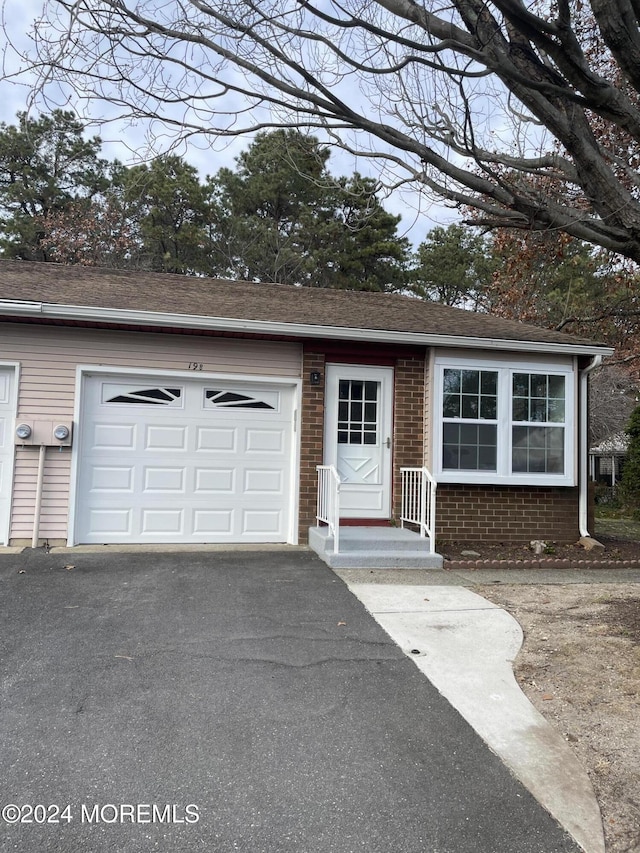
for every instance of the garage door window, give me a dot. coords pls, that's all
(112, 393)
(218, 398)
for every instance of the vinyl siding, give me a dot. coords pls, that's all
(48, 359)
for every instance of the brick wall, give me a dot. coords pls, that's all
(500, 514)
(408, 423)
(408, 429)
(311, 439)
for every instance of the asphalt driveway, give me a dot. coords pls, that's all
(236, 701)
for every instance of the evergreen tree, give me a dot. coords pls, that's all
(630, 487)
(46, 165)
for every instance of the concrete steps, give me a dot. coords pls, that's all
(374, 548)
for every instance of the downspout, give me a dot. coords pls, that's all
(583, 461)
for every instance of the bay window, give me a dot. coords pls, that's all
(504, 422)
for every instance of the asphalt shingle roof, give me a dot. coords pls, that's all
(133, 290)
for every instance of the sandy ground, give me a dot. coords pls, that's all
(580, 667)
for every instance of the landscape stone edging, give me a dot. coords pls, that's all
(546, 563)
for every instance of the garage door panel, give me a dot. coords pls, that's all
(160, 438)
(215, 523)
(109, 478)
(113, 436)
(186, 470)
(110, 522)
(263, 481)
(224, 440)
(261, 521)
(214, 481)
(162, 522)
(264, 440)
(163, 480)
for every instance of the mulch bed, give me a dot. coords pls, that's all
(617, 553)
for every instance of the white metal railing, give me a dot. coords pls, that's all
(328, 509)
(419, 502)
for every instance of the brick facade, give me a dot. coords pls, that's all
(408, 424)
(311, 438)
(408, 421)
(467, 513)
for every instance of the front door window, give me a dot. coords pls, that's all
(358, 411)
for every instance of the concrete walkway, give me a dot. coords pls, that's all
(466, 646)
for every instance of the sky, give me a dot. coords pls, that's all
(123, 141)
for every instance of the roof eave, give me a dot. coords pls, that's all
(110, 316)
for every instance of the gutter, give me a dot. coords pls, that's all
(108, 316)
(583, 503)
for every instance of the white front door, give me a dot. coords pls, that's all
(7, 414)
(358, 432)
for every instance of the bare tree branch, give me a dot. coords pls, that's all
(528, 114)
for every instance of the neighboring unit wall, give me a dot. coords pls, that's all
(469, 513)
(49, 357)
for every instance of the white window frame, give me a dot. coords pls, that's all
(503, 475)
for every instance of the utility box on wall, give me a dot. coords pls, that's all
(51, 433)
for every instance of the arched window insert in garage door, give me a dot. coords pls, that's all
(226, 399)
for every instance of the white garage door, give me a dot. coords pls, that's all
(7, 413)
(184, 461)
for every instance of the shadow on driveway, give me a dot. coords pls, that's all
(251, 687)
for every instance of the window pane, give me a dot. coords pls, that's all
(519, 460)
(556, 411)
(470, 381)
(489, 383)
(343, 389)
(343, 411)
(538, 410)
(469, 447)
(369, 438)
(468, 434)
(536, 436)
(487, 434)
(538, 385)
(556, 387)
(538, 450)
(356, 390)
(520, 384)
(356, 411)
(537, 461)
(452, 381)
(520, 407)
(469, 407)
(451, 406)
(370, 412)
(487, 458)
(450, 457)
(451, 433)
(488, 408)
(371, 391)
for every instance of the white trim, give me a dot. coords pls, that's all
(85, 371)
(128, 317)
(505, 423)
(583, 445)
(5, 529)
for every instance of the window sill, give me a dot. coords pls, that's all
(487, 478)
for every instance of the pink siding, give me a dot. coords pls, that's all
(49, 357)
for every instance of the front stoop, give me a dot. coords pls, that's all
(374, 548)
